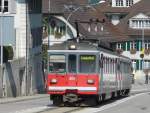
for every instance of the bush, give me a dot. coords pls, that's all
(7, 53)
(44, 54)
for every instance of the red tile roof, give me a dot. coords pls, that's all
(110, 33)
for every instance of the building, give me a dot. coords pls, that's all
(63, 11)
(132, 17)
(21, 28)
(127, 19)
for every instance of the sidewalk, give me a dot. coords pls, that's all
(140, 87)
(17, 99)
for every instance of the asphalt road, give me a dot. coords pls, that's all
(27, 106)
(138, 103)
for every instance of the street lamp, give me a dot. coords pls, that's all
(143, 47)
(76, 9)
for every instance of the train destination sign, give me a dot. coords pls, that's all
(87, 58)
(57, 58)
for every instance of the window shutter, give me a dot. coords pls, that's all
(137, 64)
(124, 45)
(141, 62)
(137, 45)
(128, 46)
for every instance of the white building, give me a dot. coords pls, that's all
(132, 17)
(21, 23)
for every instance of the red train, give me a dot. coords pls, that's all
(86, 73)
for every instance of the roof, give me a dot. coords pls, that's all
(141, 7)
(110, 32)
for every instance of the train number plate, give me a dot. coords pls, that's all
(72, 78)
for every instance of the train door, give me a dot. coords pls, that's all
(72, 70)
(101, 71)
(118, 73)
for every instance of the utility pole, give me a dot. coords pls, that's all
(49, 27)
(27, 50)
(3, 84)
(2, 9)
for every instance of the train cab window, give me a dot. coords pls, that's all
(72, 63)
(57, 64)
(87, 64)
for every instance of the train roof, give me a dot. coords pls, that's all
(87, 46)
(79, 46)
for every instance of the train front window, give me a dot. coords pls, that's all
(72, 63)
(87, 64)
(57, 64)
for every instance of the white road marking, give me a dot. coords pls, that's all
(105, 107)
(34, 110)
(136, 90)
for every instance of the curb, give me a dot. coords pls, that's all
(139, 91)
(24, 98)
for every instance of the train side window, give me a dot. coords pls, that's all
(104, 64)
(118, 66)
(87, 64)
(72, 63)
(100, 63)
(57, 63)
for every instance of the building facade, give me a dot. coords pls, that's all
(133, 19)
(130, 18)
(21, 28)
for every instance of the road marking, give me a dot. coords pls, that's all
(136, 90)
(105, 107)
(34, 110)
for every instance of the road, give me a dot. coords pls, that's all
(137, 102)
(25, 106)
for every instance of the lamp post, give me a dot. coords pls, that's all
(143, 48)
(48, 27)
(76, 9)
(2, 10)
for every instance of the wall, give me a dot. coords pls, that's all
(15, 82)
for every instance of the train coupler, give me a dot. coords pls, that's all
(71, 98)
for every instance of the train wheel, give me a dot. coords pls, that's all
(113, 95)
(92, 101)
(118, 94)
(58, 101)
(103, 97)
(127, 92)
(99, 99)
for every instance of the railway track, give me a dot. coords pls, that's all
(74, 109)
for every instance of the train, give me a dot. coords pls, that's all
(84, 72)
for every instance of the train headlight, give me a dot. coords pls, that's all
(90, 81)
(53, 81)
(72, 47)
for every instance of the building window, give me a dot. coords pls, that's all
(134, 64)
(119, 2)
(34, 5)
(139, 24)
(129, 2)
(146, 64)
(132, 45)
(119, 46)
(4, 4)
(147, 44)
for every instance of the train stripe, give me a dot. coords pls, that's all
(72, 88)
